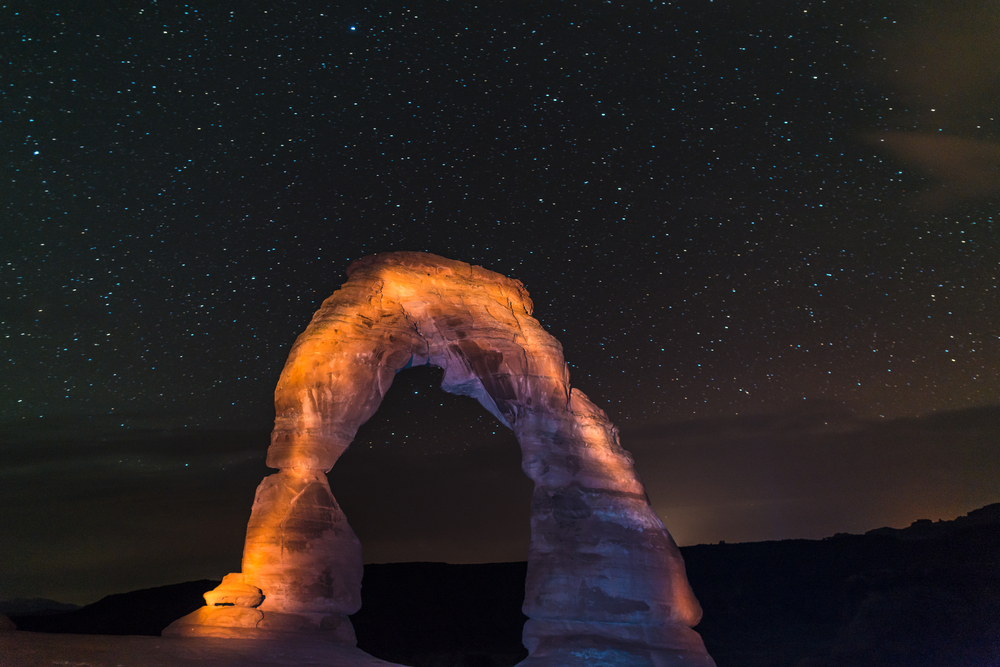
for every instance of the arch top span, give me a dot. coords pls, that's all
(406, 309)
(604, 575)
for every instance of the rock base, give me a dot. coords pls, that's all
(591, 652)
(232, 622)
(37, 649)
(583, 644)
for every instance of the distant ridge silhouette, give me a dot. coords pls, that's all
(923, 596)
(34, 607)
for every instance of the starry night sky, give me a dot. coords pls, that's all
(765, 234)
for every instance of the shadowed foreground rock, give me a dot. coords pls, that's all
(31, 649)
(605, 584)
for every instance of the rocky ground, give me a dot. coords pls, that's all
(31, 649)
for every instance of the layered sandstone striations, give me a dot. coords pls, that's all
(604, 575)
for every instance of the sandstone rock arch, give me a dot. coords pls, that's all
(603, 573)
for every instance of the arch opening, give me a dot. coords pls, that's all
(433, 487)
(434, 477)
(603, 573)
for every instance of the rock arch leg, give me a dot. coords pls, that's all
(604, 576)
(606, 583)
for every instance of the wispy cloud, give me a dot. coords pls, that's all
(963, 169)
(940, 71)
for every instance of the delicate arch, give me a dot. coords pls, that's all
(601, 566)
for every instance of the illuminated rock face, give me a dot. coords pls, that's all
(603, 573)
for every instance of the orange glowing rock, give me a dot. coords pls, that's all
(603, 573)
(234, 592)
